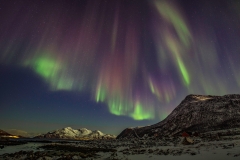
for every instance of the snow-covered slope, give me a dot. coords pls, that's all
(195, 113)
(70, 133)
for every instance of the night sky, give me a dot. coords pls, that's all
(112, 64)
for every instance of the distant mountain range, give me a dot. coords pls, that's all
(78, 134)
(199, 113)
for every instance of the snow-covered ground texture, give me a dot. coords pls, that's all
(201, 113)
(70, 133)
(165, 148)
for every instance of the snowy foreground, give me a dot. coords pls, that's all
(169, 148)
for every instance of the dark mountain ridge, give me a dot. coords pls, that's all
(201, 113)
(3, 133)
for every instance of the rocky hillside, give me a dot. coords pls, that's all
(69, 133)
(195, 113)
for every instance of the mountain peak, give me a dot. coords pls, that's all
(68, 128)
(199, 113)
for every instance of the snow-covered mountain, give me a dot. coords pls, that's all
(195, 113)
(70, 133)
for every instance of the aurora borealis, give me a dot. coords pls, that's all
(131, 60)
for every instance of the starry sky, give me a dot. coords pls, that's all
(112, 64)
